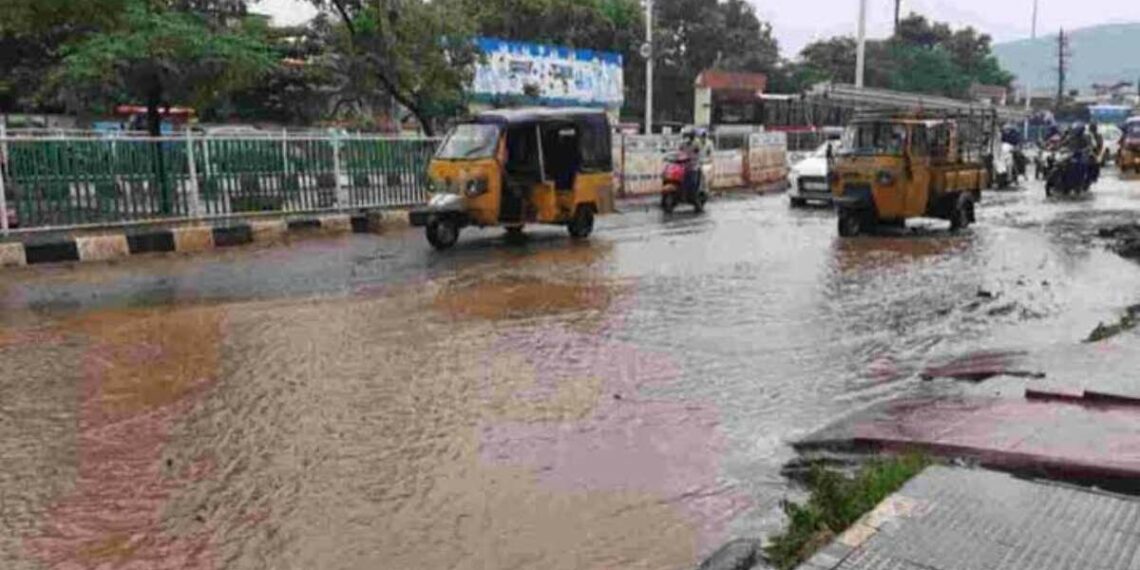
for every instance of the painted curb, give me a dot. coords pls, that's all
(303, 224)
(151, 241)
(102, 248)
(268, 231)
(12, 255)
(51, 252)
(188, 239)
(193, 239)
(231, 236)
(339, 223)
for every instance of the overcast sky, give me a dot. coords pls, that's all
(797, 22)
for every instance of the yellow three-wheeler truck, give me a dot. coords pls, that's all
(898, 166)
(1129, 157)
(521, 166)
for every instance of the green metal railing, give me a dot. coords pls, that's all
(68, 181)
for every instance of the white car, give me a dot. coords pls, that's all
(1111, 135)
(807, 179)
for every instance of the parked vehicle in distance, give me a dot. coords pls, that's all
(1128, 156)
(1111, 135)
(807, 179)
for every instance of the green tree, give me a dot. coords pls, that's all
(299, 91)
(418, 52)
(920, 70)
(162, 57)
(31, 33)
(922, 57)
(694, 35)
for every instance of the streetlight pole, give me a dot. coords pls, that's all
(1028, 83)
(647, 51)
(861, 52)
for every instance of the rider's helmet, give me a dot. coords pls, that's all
(1078, 129)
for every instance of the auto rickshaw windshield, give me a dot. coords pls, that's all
(875, 138)
(469, 141)
(1133, 129)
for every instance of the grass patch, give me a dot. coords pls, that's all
(1129, 321)
(836, 502)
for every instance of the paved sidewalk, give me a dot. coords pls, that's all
(966, 519)
(1089, 436)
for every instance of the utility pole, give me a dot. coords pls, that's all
(1064, 55)
(647, 51)
(1028, 83)
(861, 51)
(898, 4)
(1034, 36)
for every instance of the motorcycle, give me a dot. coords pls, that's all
(1044, 164)
(1072, 174)
(683, 183)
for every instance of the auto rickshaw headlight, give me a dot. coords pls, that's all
(476, 187)
(885, 178)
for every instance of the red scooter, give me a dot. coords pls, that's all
(682, 183)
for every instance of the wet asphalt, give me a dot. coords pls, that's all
(365, 402)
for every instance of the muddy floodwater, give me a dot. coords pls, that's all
(363, 402)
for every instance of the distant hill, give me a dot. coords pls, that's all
(1101, 54)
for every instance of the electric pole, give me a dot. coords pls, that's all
(1064, 56)
(647, 51)
(1029, 84)
(898, 4)
(861, 51)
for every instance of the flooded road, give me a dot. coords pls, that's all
(364, 402)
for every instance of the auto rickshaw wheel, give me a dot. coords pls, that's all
(582, 224)
(442, 234)
(851, 222)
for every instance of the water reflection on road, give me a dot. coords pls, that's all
(363, 402)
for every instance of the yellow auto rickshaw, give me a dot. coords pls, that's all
(515, 167)
(899, 166)
(1128, 159)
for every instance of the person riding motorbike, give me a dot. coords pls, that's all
(1076, 139)
(696, 145)
(1076, 170)
(1098, 151)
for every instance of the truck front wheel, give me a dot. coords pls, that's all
(851, 222)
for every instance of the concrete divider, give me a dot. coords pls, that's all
(767, 158)
(728, 169)
(102, 247)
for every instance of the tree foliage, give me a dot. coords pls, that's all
(691, 36)
(418, 52)
(161, 56)
(923, 56)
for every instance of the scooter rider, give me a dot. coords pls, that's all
(694, 149)
(1098, 151)
(706, 154)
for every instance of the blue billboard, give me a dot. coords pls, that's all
(550, 75)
